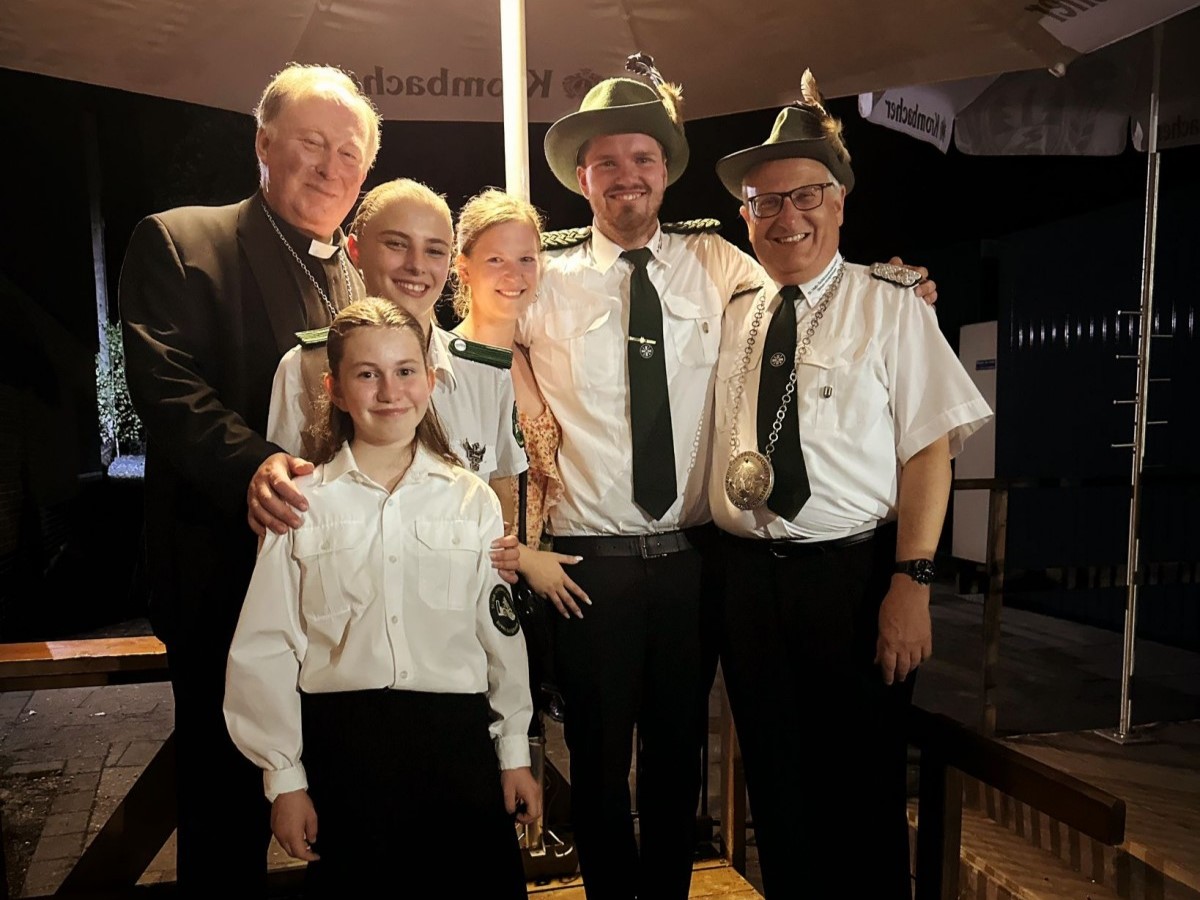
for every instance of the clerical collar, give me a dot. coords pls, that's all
(302, 242)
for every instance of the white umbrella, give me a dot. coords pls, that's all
(443, 61)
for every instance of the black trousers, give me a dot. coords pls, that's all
(224, 826)
(823, 738)
(407, 791)
(638, 657)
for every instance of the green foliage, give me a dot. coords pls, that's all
(120, 428)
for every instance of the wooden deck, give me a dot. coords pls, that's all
(712, 878)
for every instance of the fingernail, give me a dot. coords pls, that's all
(587, 601)
(579, 559)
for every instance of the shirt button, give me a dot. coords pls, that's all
(404, 675)
(395, 619)
(325, 545)
(454, 540)
(391, 503)
(392, 558)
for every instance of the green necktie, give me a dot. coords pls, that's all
(791, 489)
(649, 408)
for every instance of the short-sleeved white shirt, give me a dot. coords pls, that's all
(474, 401)
(880, 384)
(577, 333)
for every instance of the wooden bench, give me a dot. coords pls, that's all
(42, 665)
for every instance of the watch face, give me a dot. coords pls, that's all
(921, 571)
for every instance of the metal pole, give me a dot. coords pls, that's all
(1146, 327)
(516, 102)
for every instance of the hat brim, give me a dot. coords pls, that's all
(568, 134)
(733, 168)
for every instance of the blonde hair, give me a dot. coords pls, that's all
(297, 80)
(332, 427)
(483, 211)
(398, 189)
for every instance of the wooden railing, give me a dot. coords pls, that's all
(949, 750)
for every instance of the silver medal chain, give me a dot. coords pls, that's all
(803, 349)
(296, 256)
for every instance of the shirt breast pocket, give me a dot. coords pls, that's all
(584, 336)
(449, 552)
(692, 325)
(848, 390)
(335, 571)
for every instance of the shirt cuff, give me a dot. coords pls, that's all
(281, 781)
(513, 751)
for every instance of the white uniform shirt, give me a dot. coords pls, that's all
(880, 384)
(577, 333)
(376, 590)
(474, 400)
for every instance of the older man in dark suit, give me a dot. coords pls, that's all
(211, 298)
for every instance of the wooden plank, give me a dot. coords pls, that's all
(710, 879)
(42, 665)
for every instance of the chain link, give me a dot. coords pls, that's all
(803, 349)
(341, 266)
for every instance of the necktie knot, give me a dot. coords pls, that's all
(640, 257)
(789, 292)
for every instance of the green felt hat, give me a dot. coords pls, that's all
(804, 130)
(619, 106)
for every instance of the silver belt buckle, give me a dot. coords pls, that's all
(644, 547)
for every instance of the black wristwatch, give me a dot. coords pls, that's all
(922, 571)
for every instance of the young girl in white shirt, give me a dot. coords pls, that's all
(378, 675)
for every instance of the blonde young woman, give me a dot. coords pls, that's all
(496, 278)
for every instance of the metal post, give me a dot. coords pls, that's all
(516, 101)
(1145, 329)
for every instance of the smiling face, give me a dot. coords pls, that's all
(314, 158)
(624, 177)
(383, 384)
(794, 246)
(403, 252)
(501, 269)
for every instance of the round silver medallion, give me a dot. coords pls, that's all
(778, 359)
(646, 350)
(749, 479)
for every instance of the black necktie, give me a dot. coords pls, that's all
(649, 409)
(778, 358)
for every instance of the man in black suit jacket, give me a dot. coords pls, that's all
(211, 298)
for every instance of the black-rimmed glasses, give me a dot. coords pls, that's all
(807, 196)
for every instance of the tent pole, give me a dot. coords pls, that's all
(516, 103)
(1145, 330)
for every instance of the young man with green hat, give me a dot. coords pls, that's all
(839, 404)
(623, 340)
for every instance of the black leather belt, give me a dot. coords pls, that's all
(647, 546)
(803, 549)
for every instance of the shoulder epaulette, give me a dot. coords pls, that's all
(317, 337)
(901, 275)
(567, 237)
(692, 226)
(481, 353)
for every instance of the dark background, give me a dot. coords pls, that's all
(1049, 246)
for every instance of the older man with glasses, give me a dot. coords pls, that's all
(838, 407)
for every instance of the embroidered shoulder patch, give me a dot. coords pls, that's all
(504, 614)
(317, 337)
(692, 226)
(565, 237)
(481, 353)
(901, 275)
